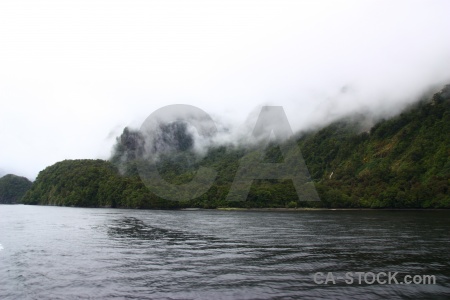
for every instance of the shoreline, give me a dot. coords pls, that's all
(321, 209)
(264, 209)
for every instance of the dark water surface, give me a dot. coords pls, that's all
(80, 253)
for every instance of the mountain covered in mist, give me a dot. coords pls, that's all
(402, 162)
(13, 188)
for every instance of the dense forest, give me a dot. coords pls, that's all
(402, 162)
(13, 188)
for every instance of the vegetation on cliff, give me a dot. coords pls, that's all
(12, 188)
(402, 162)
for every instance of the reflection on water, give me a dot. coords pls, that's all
(53, 252)
(130, 227)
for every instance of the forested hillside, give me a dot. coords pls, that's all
(402, 162)
(12, 188)
(90, 183)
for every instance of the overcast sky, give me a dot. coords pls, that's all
(74, 73)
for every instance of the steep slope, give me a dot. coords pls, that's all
(402, 162)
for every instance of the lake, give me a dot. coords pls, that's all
(85, 253)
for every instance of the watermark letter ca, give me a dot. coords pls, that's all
(271, 126)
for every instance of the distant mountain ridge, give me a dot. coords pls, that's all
(402, 162)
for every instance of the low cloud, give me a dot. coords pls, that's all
(71, 78)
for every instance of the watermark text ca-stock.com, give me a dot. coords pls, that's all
(368, 278)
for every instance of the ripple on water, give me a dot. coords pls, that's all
(71, 253)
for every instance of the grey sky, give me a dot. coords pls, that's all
(74, 73)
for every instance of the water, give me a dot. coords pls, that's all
(80, 253)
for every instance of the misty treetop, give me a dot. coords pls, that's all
(402, 162)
